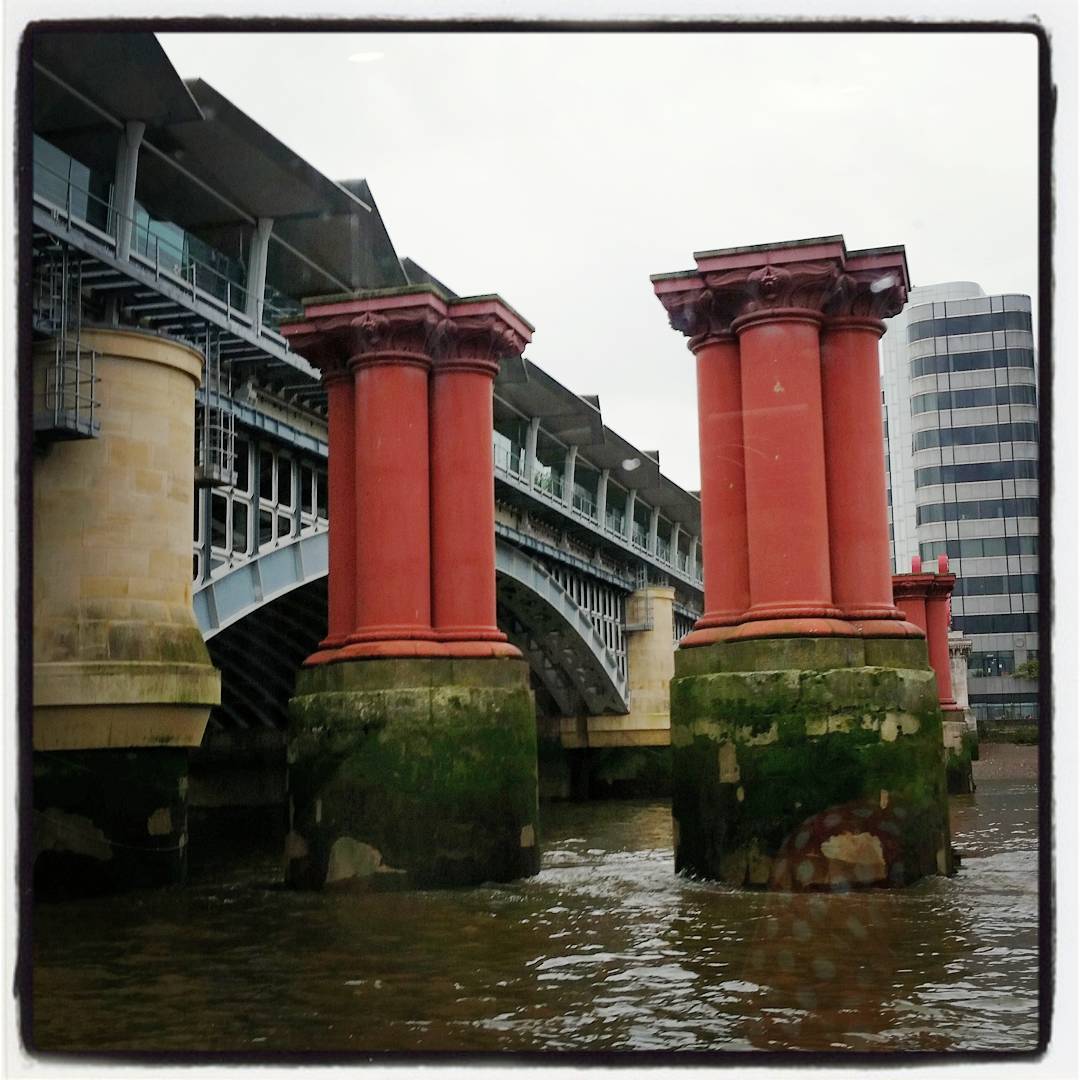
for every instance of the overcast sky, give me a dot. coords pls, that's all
(562, 170)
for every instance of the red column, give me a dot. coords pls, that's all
(393, 536)
(723, 486)
(380, 573)
(910, 592)
(855, 473)
(937, 635)
(341, 508)
(412, 543)
(462, 488)
(786, 504)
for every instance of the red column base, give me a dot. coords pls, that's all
(784, 628)
(791, 610)
(475, 642)
(768, 628)
(871, 611)
(378, 650)
(417, 649)
(887, 628)
(482, 650)
(719, 618)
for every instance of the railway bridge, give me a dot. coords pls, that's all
(183, 473)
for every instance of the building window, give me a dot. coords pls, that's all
(969, 324)
(976, 510)
(941, 363)
(1021, 394)
(980, 547)
(1015, 623)
(1020, 469)
(996, 585)
(970, 436)
(987, 665)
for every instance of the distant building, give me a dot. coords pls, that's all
(962, 429)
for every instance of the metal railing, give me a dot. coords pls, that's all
(166, 258)
(65, 400)
(583, 504)
(549, 483)
(505, 460)
(215, 424)
(67, 404)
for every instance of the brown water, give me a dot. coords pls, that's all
(606, 949)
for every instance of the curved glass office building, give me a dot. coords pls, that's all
(962, 429)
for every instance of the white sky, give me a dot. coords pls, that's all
(562, 170)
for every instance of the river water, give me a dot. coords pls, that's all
(606, 949)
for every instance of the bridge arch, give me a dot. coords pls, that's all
(566, 652)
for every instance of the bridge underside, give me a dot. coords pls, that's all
(259, 651)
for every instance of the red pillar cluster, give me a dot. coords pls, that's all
(924, 599)
(793, 491)
(409, 379)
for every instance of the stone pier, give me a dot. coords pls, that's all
(805, 718)
(123, 683)
(412, 742)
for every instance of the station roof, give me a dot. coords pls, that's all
(207, 166)
(574, 419)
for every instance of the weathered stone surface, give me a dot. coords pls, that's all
(109, 819)
(960, 752)
(122, 682)
(430, 763)
(758, 752)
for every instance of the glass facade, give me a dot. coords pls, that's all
(981, 435)
(961, 396)
(59, 177)
(68, 184)
(1022, 469)
(955, 325)
(976, 510)
(994, 359)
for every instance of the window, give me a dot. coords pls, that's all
(986, 665)
(976, 510)
(970, 436)
(969, 324)
(980, 547)
(972, 361)
(996, 585)
(1022, 394)
(1014, 623)
(1021, 469)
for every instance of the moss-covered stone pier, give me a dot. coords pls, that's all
(767, 734)
(412, 773)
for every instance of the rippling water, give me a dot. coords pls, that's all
(606, 949)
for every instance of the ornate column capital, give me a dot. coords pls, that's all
(329, 353)
(775, 287)
(481, 331)
(703, 313)
(941, 587)
(819, 278)
(403, 326)
(915, 586)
